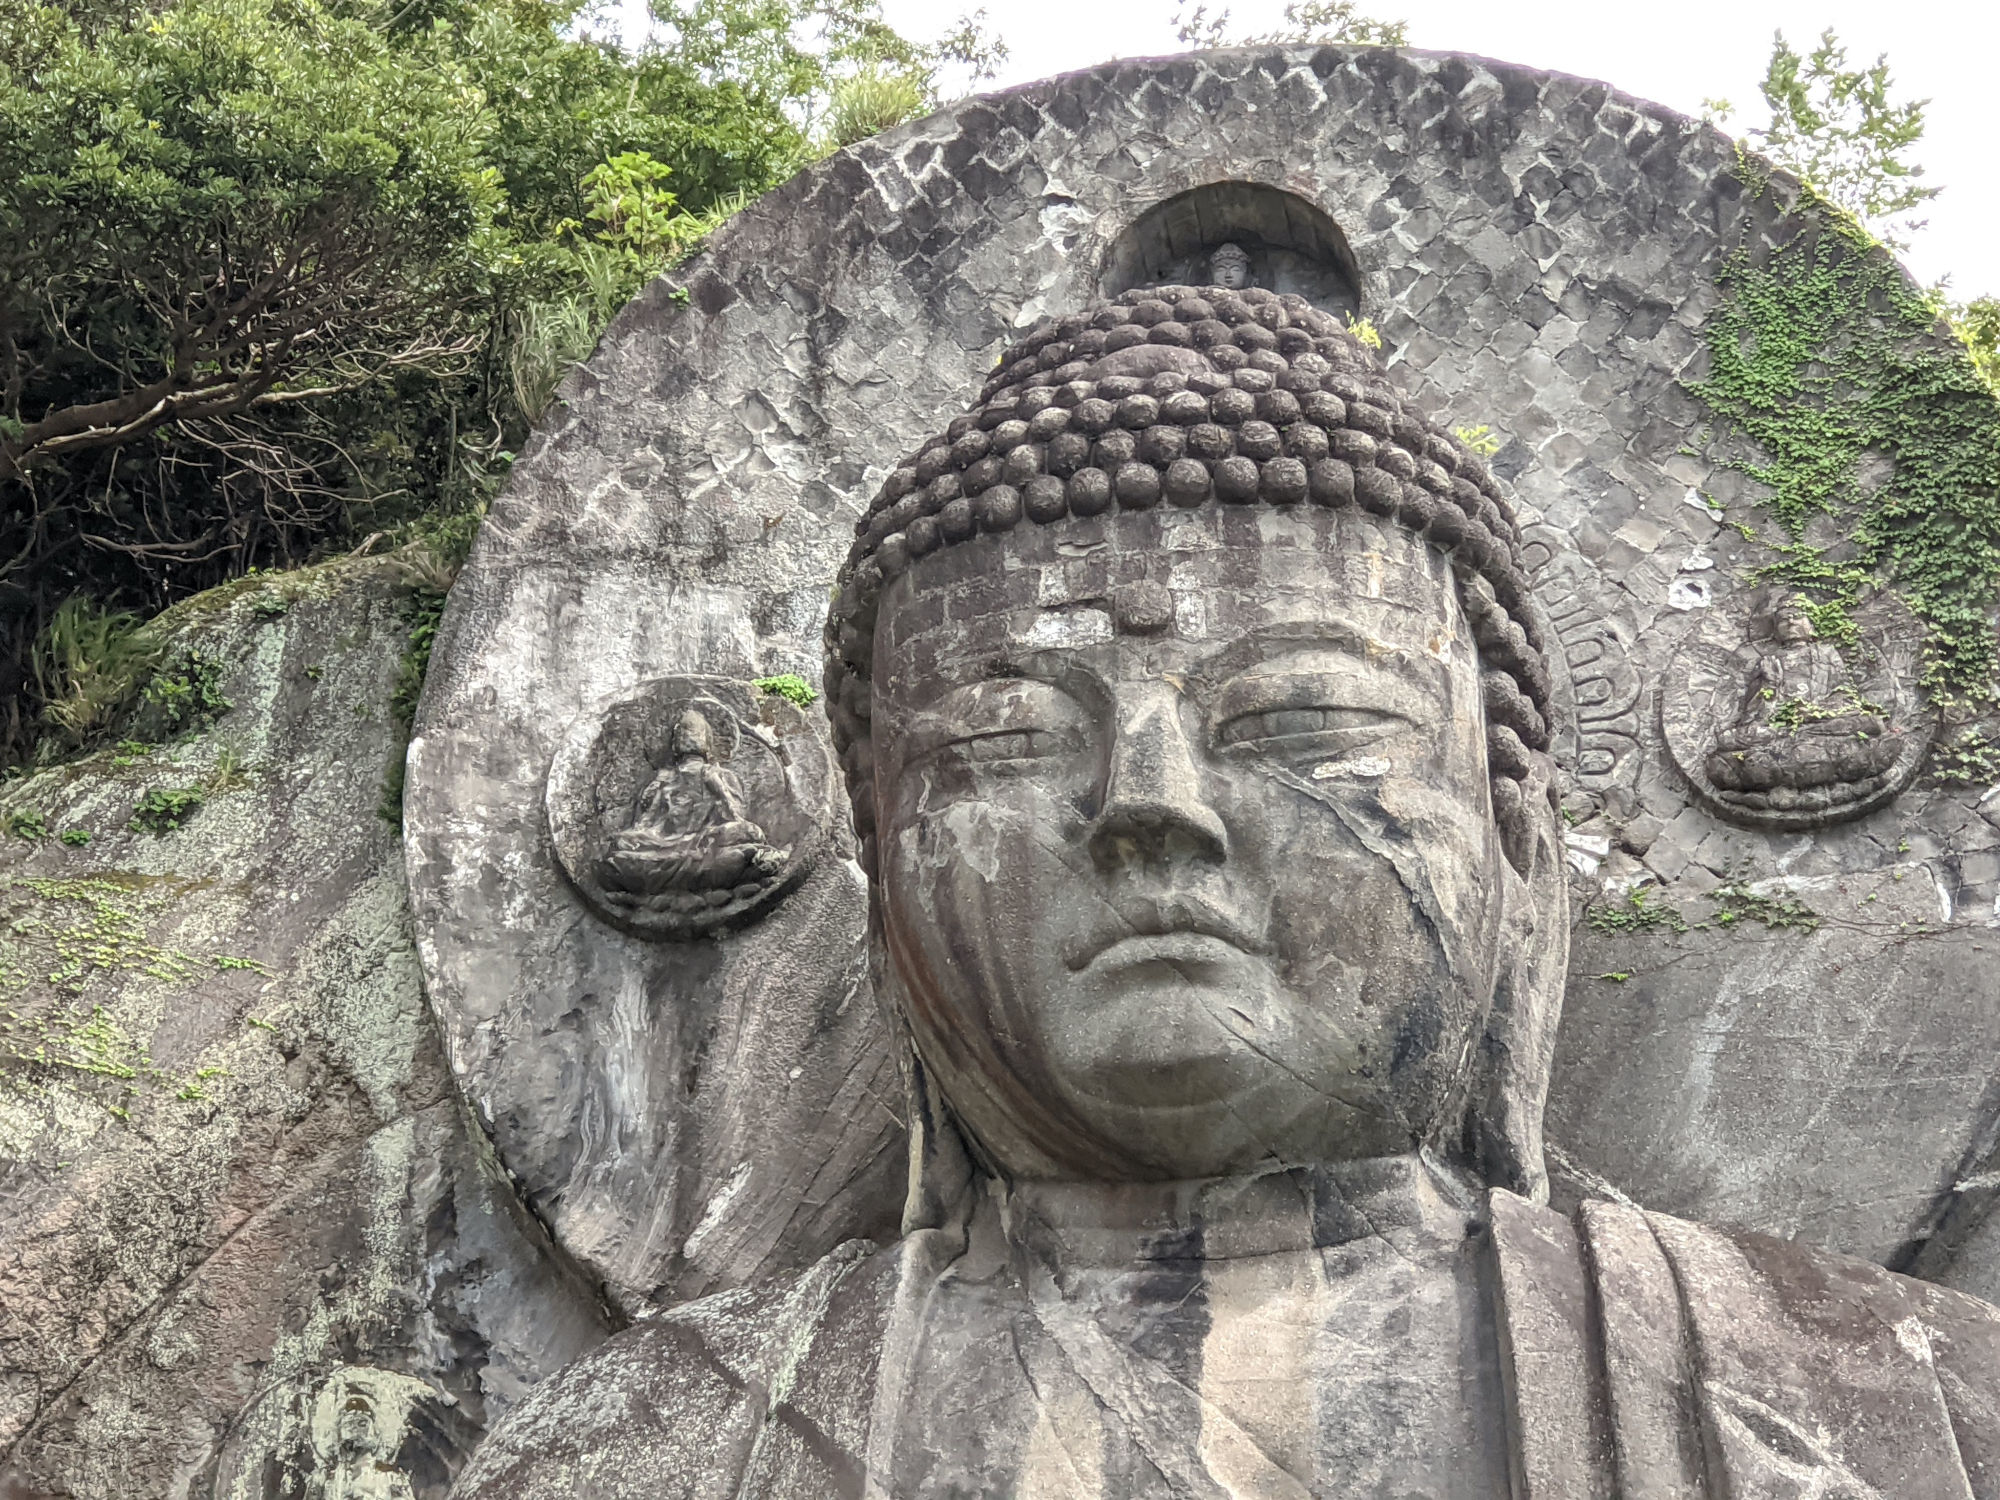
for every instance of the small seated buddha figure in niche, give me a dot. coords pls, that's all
(1195, 712)
(1229, 267)
(1802, 732)
(689, 830)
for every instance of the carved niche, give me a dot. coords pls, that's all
(1775, 726)
(689, 804)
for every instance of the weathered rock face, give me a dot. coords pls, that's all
(252, 1246)
(1214, 859)
(1541, 257)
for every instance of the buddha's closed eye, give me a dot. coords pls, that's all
(1311, 704)
(1010, 744)
(1311, 730)
(996, 724)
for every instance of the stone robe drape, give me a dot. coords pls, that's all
(1635, 1355)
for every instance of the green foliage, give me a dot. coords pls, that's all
(872, 100)
(58, 938)
(1978, 324)
(1821, 353)
(76, 838)
(789, 686)
(1480, 440)
(803, 51)
(279, 275)
(1971, 759)
(1636, 913)
(1736, 902)
(1365, 330)
(27, 823)
(164, 809)
(1307, 22)
(185, 695)
(1836, 127)
(88, 665)
(63, 932)
(426, 610)
(630, 203)
(640, 233)
(1793, 714)
(227, 774)
(236, 195)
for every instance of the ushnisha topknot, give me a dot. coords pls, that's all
(1189, 396)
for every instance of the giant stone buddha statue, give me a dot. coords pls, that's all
(1196, 722)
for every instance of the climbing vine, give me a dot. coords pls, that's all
(1823, 353)
(58, 939)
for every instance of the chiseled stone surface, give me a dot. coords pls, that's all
(1538, 253)
(1884, 1386)
(1217, 896)
(253, 1244)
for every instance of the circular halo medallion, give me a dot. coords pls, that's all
(1776, 728)
(689, 805)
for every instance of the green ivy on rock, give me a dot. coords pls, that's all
(1822, 353)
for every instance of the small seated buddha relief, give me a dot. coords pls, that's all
(689, 805)
(1774, 725)
(689, 833)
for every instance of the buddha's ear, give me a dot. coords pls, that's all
(1519, 1046)
(941, 1167)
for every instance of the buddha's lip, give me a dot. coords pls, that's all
(1158, 931)
(1164, 947)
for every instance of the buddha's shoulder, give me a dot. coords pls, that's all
(689, 1401)
(1825, 1293)
(1785, 1354)
(1734, 1274)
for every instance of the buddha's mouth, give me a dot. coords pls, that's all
(1177, 932)
(1182, 952)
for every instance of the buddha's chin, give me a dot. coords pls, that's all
(1177, 1059)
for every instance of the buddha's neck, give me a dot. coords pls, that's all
(1408, 1201)
(1328, 1321)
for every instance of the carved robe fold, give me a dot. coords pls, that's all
(1409, 1348)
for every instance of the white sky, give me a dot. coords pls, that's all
(1677, 55)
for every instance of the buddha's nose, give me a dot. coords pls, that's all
(1153, 803)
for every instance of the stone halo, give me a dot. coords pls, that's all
(1695, 707)
(774, 751)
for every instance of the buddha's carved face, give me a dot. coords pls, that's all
(1187, 860)
(692, 736)
(1229, 267)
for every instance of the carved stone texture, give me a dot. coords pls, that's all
(690, 805)
(1226, 993)
(254, 1245)
(1538, 253)
(1774, 727)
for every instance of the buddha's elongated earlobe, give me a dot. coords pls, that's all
(1518, 1050)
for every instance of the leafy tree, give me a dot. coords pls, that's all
(1838, 129)
(222, 209)
(802, 51)
(278, 276)
(1309, 22)
(1978, 323)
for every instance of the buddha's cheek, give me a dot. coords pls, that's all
(986, 889)
(1374, 976)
